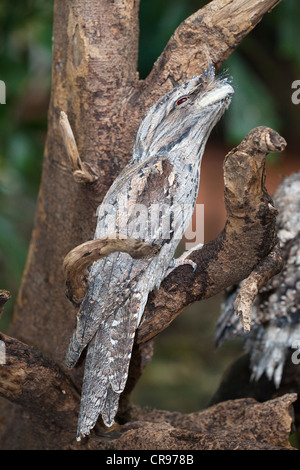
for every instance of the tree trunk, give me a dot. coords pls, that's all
(95, 82)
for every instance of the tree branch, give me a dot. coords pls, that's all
(265, 270)
(209, 36)
(245, 425)
(236, 383)
(31, 380)
(48, 396)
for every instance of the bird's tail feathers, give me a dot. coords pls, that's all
(107, 364)
(122, 334)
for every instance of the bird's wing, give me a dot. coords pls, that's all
(113, 279)
(96, 380)
(111, 282)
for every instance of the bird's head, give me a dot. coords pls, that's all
(183, 119)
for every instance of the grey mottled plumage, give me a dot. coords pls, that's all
(275, 312)
(163, 175)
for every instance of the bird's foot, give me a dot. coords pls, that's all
(182, 260)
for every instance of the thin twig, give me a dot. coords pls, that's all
(82, 172)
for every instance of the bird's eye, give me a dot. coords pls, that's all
(182, 100)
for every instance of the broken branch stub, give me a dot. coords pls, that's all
(4, 297)
(263, 272)
(246, 164)
(77, 260)
(82, 172)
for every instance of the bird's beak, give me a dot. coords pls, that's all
(215, 95)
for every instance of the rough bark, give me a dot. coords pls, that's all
(233, 425)
(31, 380)
(242, 424)
(95, 82)
(236, 383)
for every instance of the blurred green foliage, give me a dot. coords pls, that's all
(186, 368)
(25, 67)
(263, 69)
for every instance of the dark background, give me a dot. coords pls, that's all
(186, 368)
